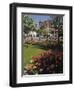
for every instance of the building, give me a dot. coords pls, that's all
(49, 27)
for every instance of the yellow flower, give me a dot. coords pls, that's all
(34, 67)
(29, 66)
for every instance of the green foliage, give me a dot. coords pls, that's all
(28, 24)
(42, 32)
(57, 22)
(39, 31)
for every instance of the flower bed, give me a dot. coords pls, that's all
(47, 62)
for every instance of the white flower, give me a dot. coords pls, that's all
(41, 70)
(31, 61)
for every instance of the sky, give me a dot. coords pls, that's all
(38, 18)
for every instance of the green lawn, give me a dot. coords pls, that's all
(30, 51)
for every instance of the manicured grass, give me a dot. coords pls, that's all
(29, 51)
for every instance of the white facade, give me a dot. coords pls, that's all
(32, 33)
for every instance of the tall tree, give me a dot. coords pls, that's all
(28, 24)
(58, 23)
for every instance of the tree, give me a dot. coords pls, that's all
(28, 24)
(58, 23)
(39, 31)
